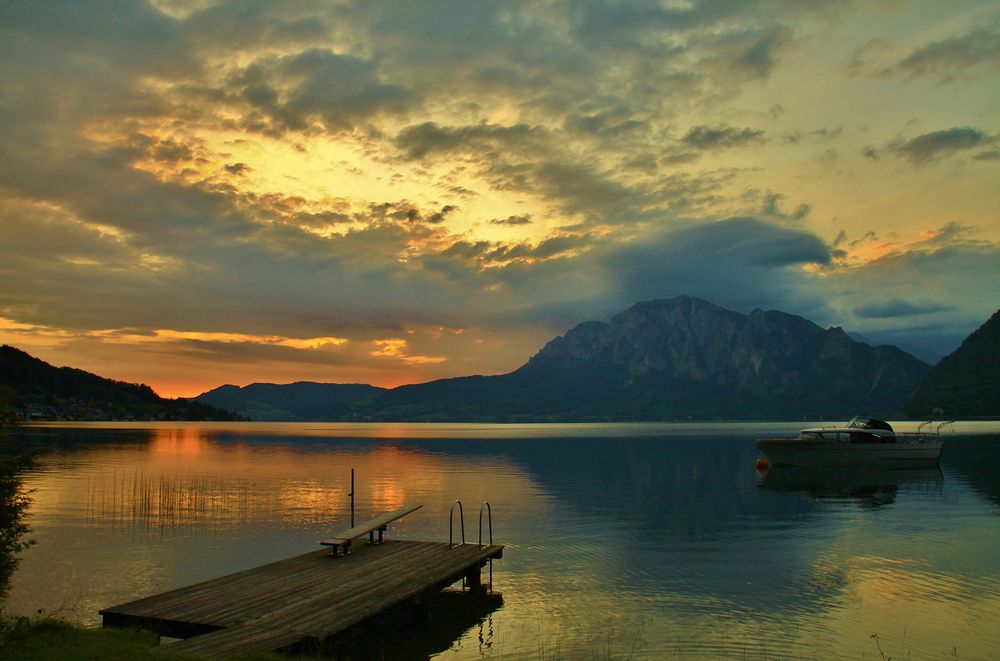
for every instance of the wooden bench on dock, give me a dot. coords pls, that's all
(341, 542)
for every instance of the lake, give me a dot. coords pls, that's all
(630, 541)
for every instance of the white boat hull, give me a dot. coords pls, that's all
(802, 452)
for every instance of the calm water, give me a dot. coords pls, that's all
(623, 541)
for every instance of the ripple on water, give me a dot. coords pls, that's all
(640, 545)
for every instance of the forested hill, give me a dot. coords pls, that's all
(299, 401)
(966, 383)
(32, 389)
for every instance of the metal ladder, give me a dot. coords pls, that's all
(461, 517)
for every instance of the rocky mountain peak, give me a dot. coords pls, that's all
(766, 355)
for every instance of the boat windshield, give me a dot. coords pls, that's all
(869, 423)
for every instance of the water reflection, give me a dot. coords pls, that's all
(14, 502)
(643, 546)
(976, 460)
(137, 503)
(450, 621)
(868, 487)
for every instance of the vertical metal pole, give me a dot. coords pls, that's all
(352, 497)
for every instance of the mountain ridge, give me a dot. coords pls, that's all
(966, 383)
(31, 388)
(300, 400)
(669, 359)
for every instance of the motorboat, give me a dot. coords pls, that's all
(861, 442)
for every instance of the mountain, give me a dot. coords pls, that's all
(675, 359)
(966, 383)
(302, 400)
(32, 389)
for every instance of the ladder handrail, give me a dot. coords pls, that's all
(489, 514)
(451, 522)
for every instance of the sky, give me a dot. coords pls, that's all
(199, 193)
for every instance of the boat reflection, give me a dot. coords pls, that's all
(869, 487)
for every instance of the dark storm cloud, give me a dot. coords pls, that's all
(170, 151)
(122, 34)
(484, 253)
(404, 211)
(897, 307)
(524, 219)
(149, 211)
(583, 189)
(539, 58)
(613, 123)
(246, 24)
(820, 134)
(721, 137)
(317, 85)
(771, 205)
(515, 158)
(237, 168)
(51, 241)
(729, 262)
(939, 144)
(955, 56)
(88, 240)
(430, 138)
(442, 214)
(761, 55)
(754, 53)
(755, 243)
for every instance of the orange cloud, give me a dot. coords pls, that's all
(395, 347)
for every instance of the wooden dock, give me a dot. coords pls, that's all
(307, 598)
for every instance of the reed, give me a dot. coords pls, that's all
(140, 503)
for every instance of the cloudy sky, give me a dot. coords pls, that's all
(198, 193)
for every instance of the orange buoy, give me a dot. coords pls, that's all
(762, 464)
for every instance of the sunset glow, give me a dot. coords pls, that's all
(199, 193)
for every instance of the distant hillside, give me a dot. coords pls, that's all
(677, 359)
(32, 389)
(302, 400)
(966, 383)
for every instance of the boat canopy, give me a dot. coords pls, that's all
(869, 423)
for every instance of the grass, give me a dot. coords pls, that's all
(22, 639)
(44, 639)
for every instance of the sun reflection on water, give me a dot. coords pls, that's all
(635, 547)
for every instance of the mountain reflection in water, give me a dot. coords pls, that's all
(638, 541)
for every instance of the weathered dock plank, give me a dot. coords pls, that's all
(311, 596)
